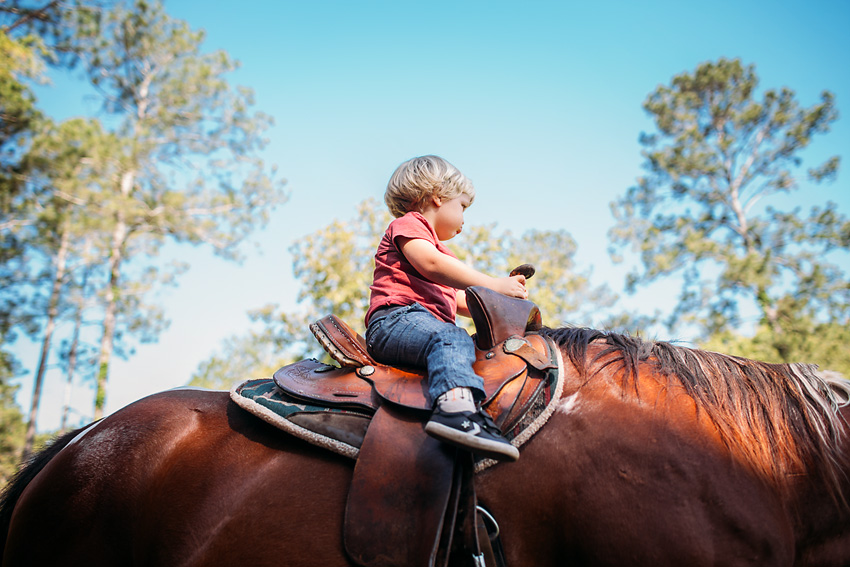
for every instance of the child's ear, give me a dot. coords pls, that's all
(438, 202)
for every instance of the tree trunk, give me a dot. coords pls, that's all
(72, 365)
(75, 338)
(116, 253)
(106, 341)
(52, 312)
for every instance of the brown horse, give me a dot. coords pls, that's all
(657, 455)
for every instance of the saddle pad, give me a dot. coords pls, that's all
(342, 430)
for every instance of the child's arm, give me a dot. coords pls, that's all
(462, 308)
(446, 270)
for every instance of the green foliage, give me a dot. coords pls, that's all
(63, 169)
(44, 25)
(564, 294)
(334, 267)
(186, 166)
(335, 264)
(19, 63)
(18, 117)
(188, 139)
(25, 32)
(11, 431)
(703, 211)
(254, 355)
(824, 344)
(179, 162)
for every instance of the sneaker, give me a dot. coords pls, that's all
(474, 431)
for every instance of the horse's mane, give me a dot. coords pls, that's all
(782, 418)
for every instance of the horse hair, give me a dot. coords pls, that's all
(782, 418)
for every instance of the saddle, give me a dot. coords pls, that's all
(412, 500)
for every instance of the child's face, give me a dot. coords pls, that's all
(448, 220)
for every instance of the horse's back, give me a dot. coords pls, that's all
(182, 478)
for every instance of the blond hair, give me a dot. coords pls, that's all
(420, 178)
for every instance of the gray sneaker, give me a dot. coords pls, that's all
(474, 431)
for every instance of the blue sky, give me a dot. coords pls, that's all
(538, 102)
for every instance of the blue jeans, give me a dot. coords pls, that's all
(412, 336)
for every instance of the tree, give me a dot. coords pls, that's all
(823, 343)
(241, 357)
(18, 116)
(80, 298)
(708, 210)
(188, 167)
(63, 166)
(11, 432)
(19, 63)
(334, 266)
(32, 211)
(44, 24)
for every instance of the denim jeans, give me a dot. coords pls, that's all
(412, 336)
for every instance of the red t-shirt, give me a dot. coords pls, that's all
(396, 281)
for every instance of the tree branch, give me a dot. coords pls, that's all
(8, 225)
(39, 14)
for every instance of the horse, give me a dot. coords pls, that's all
(657, 454)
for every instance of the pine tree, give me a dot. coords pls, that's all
(189, 168)
(707, 208)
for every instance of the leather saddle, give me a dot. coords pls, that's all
(506, 348)
(406, 482)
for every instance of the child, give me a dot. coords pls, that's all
(416, 293)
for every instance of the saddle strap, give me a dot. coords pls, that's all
(467, 548)
(522, 348)
(491, 543)
(467, 539)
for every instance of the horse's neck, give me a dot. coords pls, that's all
(822, 530)
(822, 517)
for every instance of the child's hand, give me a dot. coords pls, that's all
(513, 286)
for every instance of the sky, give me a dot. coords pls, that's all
(537, 102)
